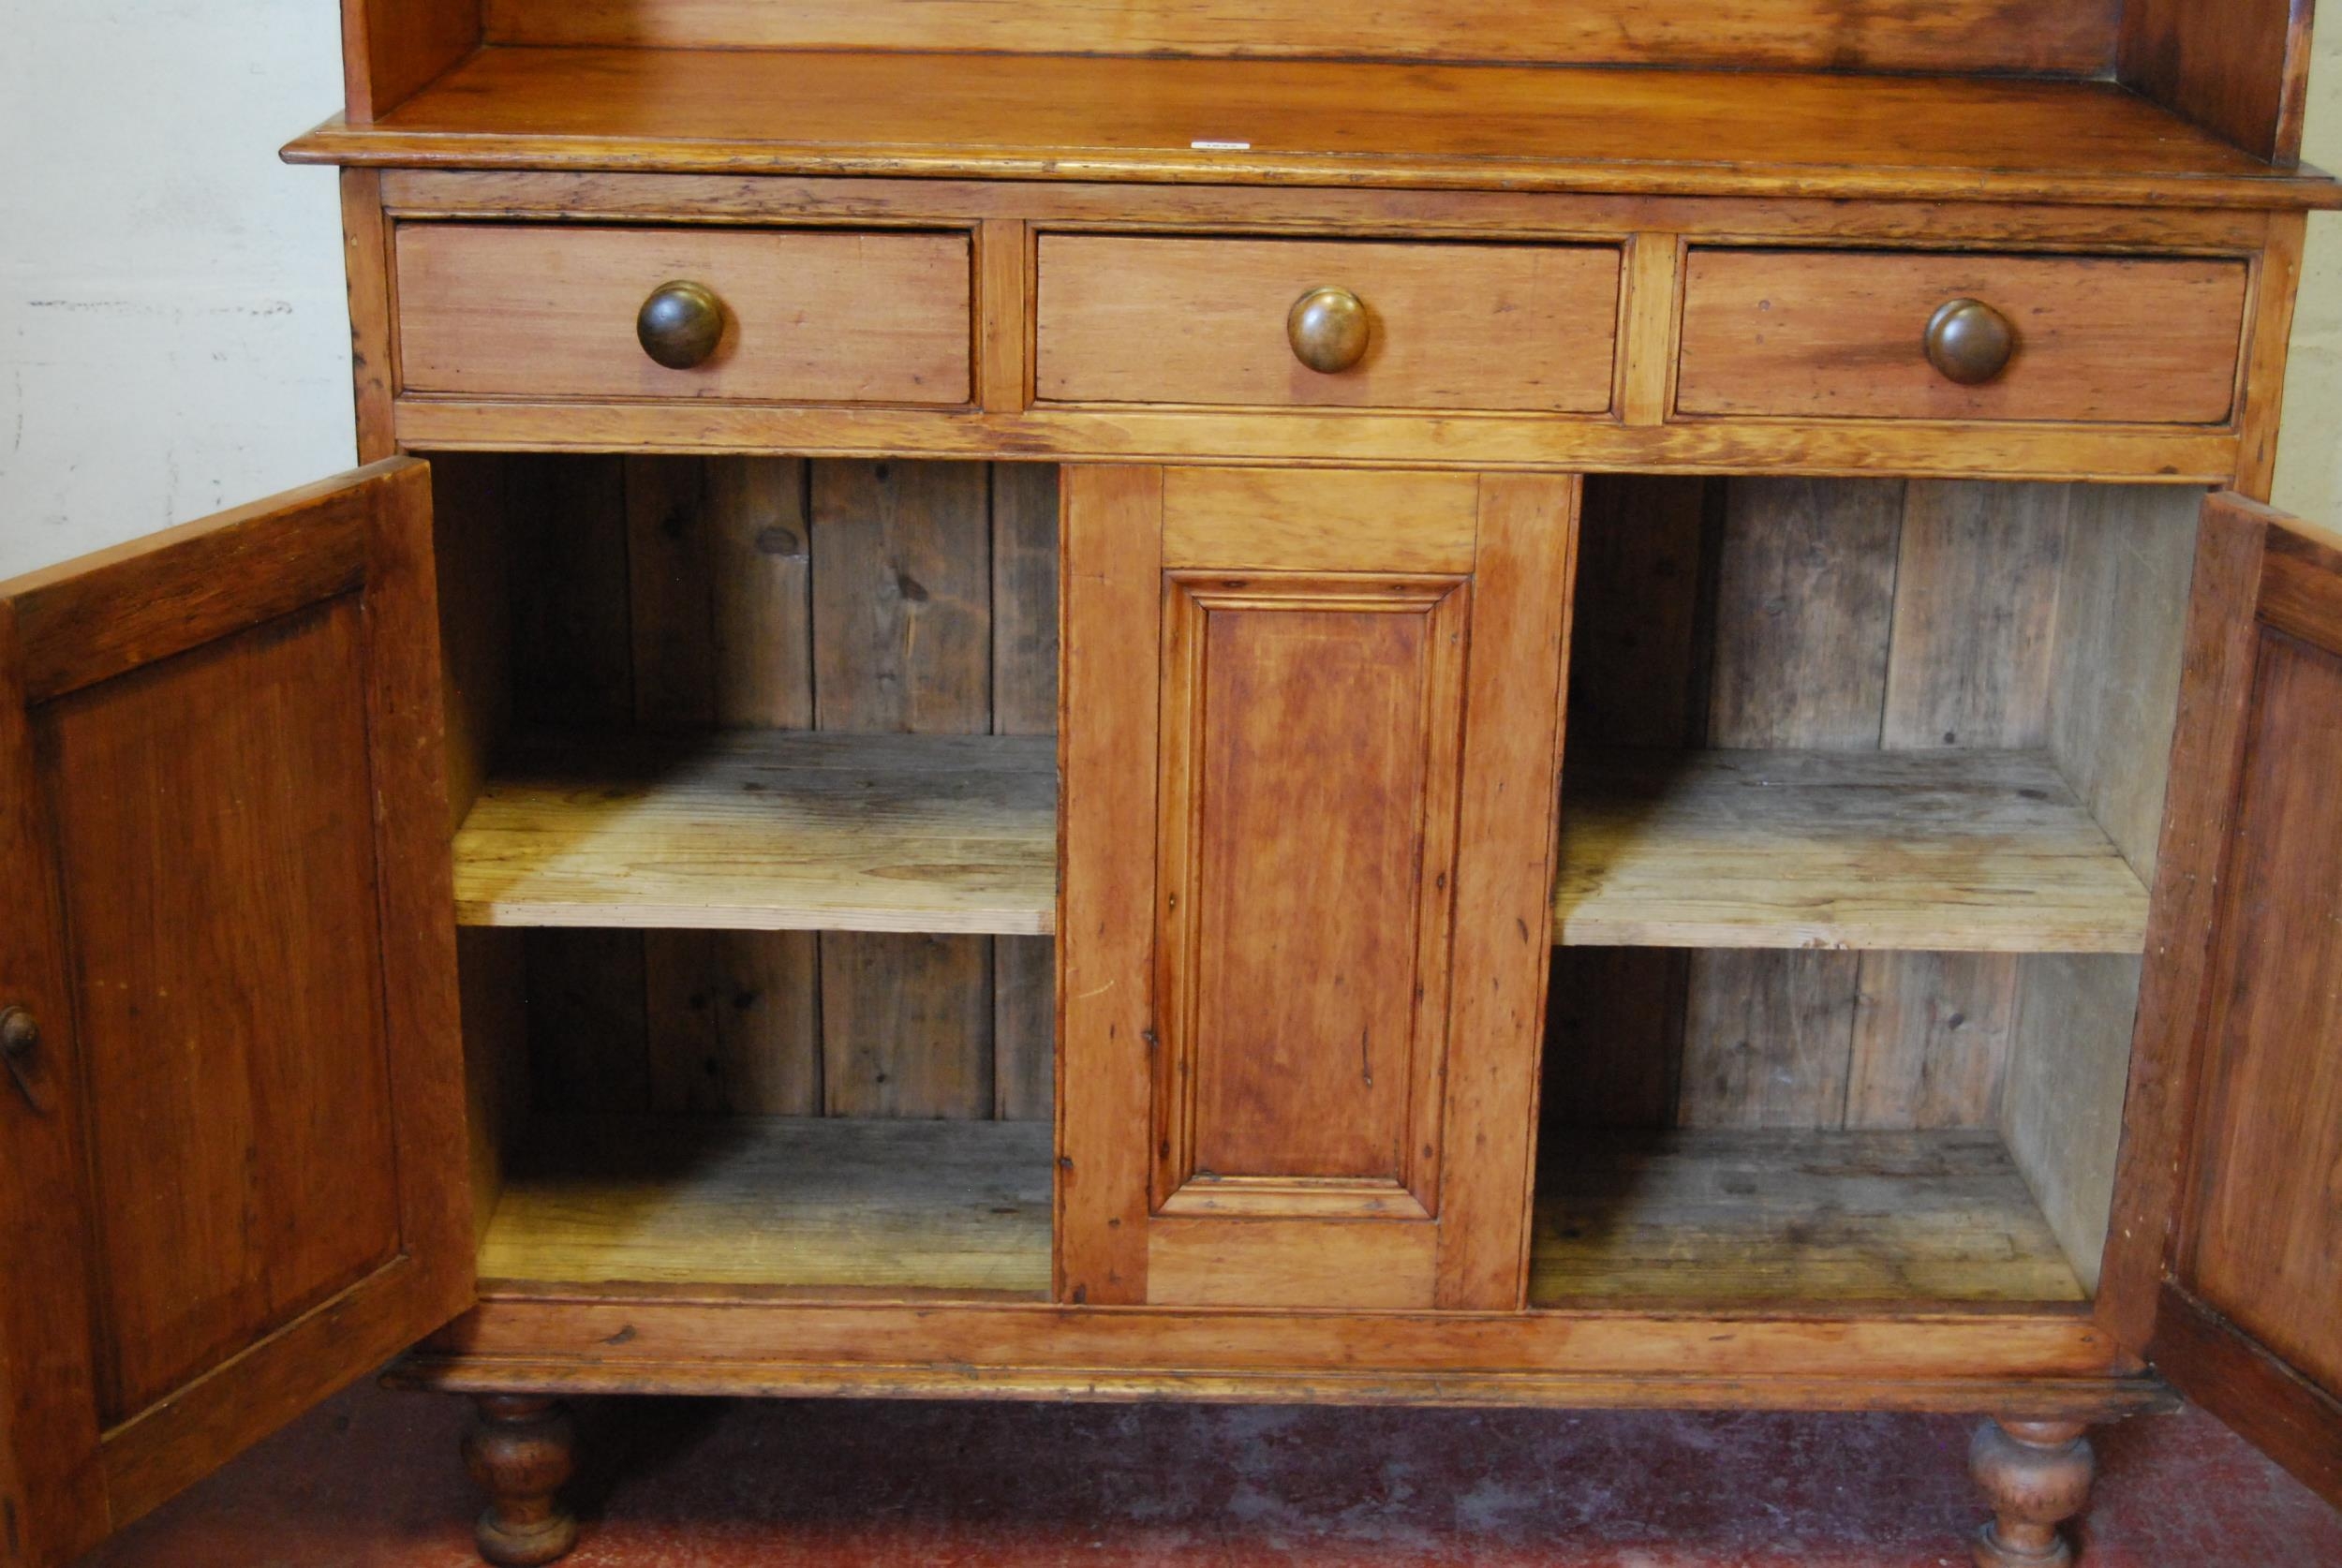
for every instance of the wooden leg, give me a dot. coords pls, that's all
(2036, 1475)
(520, 1452)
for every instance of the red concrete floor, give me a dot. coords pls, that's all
(373, 1481)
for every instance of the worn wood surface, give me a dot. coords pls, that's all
(1280, 520)
(790, 1204)
(243, 813)
(767, 830)
(2242, 69)
(1108, 753)
(1767, 332)
(1024, 703)
(1968, 35)
(1791, 1216)
(391, 48)
(1203, 321)
(1340, 123)
(809, 318)
(1968, 851)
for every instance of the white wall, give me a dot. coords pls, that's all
(172, 336)
(172, 329)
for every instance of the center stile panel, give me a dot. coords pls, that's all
(1322, 718)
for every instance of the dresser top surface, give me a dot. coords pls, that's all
(1323, 122)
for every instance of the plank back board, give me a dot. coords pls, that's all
(2072, 38)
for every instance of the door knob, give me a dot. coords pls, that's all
(1969, 342)
(680, 324)
(1328, 330)
(19, 1041)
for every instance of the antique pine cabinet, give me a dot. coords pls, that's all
(1584, 703)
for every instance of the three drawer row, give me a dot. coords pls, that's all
(889, 318)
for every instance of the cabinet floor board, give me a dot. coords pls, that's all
(930, 1207)
(1791, 1216)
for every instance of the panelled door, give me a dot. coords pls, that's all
(231, 1120)
(1310, 730)
(2227, 1262)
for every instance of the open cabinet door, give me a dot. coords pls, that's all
(232, 1115)
(2226, 1265)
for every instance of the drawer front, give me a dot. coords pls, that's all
(2093, 339)
(1206, 322)
(807, 317)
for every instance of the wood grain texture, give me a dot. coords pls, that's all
(1978, 579)
(1311, 742)
(1768, 1040)
(1112, 573)
(874, 1207)
(1842, 335)
(2115, 676)
(373, 310)
(2257, 1396)
(2062, 1106)
(1804, 601)
(767, 831)
(2244, 70)
(2220, 642)
(1025, 648)
(1279, 520)
(1930, 1040)
(1523, 577)
(809, 318)
(1969, 35)
(1969, 851)
(1139, 434)
(1299, 1264)
(391, 48)
(1340, 123)
(2262, 1242)
(1796, 1216)
(903, 644)
(249, 814)
(1203, 321)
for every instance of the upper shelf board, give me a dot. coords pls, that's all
(1948, 852)
(1249, 122)
(768, 831)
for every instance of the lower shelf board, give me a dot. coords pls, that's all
(1943, 851)
(1790, 1215)
(921, 1208)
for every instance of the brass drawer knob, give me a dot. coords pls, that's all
(680, 324)
(1328, 330)
(1969, 342)
(20, 1043)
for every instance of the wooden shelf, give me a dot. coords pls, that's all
(1977, 852)
(1799, 1216)
(1077, 117)
(768, 831)
(870, 1207)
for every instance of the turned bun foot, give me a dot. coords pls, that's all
(520, 1452)
(2036, 1475)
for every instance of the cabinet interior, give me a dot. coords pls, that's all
(754, 787)
(1864, 788)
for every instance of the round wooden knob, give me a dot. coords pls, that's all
(680, 324)
(1969, 342)
(1328, 330)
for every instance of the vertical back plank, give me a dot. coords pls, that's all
(1804, 607)
(1637, 668)
(2241, 68)
(902, 592)
(1968, 665)
(1024, 703)
(723, 636)
(572, 667)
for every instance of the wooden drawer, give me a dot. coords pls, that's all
(809, 317)
(1204, 321)
(2097, 339)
